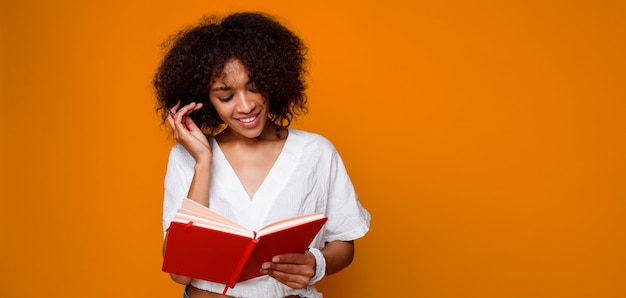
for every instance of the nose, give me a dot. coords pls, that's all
(245, 104)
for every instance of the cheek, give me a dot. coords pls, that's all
(222, 113)
(221, 110)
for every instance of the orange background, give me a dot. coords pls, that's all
(487, 139)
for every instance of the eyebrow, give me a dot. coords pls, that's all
(228, 88)
(221, 88)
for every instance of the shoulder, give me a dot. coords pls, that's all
(178, 151)
(180, 156)
(314, 146)
(312, 141)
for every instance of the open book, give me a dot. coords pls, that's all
(205, 245)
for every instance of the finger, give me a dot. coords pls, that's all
(170, 119)
(299, 270)
(303, 270)
(188, 121)
(175, 108)
(182, 113)
(189, 124)
(185, 127)
(198, 106)
(172, 112)
(186, 110)
(292, 280)
(190, 107)
(290, 258)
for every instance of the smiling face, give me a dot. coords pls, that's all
(242, 107)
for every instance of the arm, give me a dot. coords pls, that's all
(347, 220)
(195, 142)
(187, 133)
(338, 255)
(296, 270)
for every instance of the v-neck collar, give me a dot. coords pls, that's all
(273, 183)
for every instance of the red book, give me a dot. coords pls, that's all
(203, 244)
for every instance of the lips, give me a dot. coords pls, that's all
(249, 122)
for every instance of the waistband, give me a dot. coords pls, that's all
(197, 293)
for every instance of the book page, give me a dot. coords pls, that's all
(201, 215)
(289, 222)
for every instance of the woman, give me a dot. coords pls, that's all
(229, 89)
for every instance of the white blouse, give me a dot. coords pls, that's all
(308, 176)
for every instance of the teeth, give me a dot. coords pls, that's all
(247, 120)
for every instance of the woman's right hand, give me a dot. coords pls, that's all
(187, 133)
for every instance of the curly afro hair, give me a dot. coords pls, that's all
(273, 55)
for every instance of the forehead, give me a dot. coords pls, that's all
(233, 72)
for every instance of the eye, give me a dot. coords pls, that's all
(225, 99)
(252, 88)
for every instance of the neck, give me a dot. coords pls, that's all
(270, 133)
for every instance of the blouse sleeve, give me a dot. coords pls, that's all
(347, 219)
(177, 181)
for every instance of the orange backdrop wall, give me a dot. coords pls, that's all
(487, 139)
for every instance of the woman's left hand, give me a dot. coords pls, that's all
(297, 270)
(293, 270)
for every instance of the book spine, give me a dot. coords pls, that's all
(241, 265)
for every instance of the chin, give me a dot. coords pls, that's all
(249, 133)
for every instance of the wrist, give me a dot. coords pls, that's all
(203, 164)
(320, 265)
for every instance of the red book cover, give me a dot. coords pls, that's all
(203, 244)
